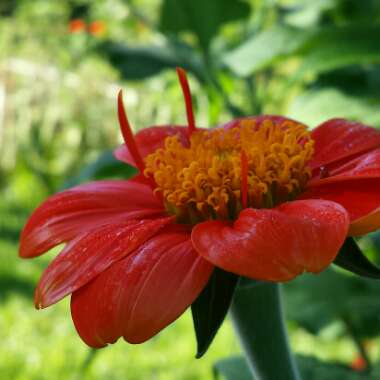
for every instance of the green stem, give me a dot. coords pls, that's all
(258, 319)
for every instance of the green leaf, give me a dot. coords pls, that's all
(7, 8)
(211, 307)
(315, 106)
(375, 239)
(265, 48)
(320, 49)
(236, 368)
(306, 13)
(144, 61)
(203, 18)
(336, 47)
(351, 258)
(318, 301)
(314, 369)
(233, 368)
(105, 166)
(309, 302)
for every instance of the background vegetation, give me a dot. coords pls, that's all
(61, 64)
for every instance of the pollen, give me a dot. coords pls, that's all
(207, 178)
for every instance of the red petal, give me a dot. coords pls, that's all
(366, 165)
(361, 198)
(275, 244)
(338, 139)
(150, 139)
(366, 224)
(65, 215)
(141, 294)
(90, 254)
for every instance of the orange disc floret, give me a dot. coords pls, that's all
(204, 180)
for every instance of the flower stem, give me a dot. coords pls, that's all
(258, 319)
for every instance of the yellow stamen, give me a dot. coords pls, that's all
(203, 180)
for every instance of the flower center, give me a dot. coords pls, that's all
(221, 171)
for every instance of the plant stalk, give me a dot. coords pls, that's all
(257, 314)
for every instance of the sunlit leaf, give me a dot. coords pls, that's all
(334, 103)
(264, 49)
(319, 49)
(305, 13)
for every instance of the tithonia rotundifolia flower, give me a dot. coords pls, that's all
(262, 197)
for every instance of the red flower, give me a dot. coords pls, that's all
(260, 197)
(77, 25)
(97, 28)
(359, 364)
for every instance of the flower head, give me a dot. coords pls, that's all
(209, 176)
(261, 197)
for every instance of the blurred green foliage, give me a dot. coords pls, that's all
(307, 59)
(236, 368)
